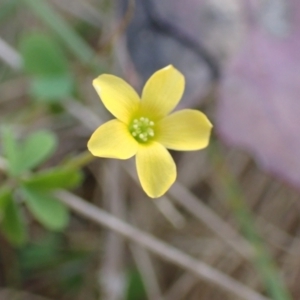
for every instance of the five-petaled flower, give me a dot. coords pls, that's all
(144, 127)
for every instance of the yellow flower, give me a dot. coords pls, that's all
(143, 127)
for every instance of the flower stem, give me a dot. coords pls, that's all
(80, 160)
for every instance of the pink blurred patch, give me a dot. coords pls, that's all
(259, 98)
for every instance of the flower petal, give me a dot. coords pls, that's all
(186, 129)
(156, 169)
(162, 92)
(117, 96)
(113, 140)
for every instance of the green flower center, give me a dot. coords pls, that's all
(142, 129)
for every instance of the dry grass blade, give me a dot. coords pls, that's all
(82, 10)
(200, 269)
(144, 265)
(170, 212)
(196, 207)
(10, 56)
(181, 287)
(111, 274)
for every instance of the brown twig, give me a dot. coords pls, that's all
(200, 269)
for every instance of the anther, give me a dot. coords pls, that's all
(142, 129)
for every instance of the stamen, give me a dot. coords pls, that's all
(151, 133)
(142, 129)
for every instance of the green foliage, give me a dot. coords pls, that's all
(23, 156)
(52, 88)
(43, 253)
(42, 55)
(75, 43)
(61, 265)
(135, 288)
(50, 212)
(12, 223)
(38, 188)
(57, 178)
(45, 62)
(5, 195)
(7, 9)
(10, 150)
(37, 148)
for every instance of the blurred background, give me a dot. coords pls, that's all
(235, 205)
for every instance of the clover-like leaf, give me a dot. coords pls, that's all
(13, 225)
(53, 214)
(56, 178)
(52, 88)
(38, 147)
(5, 196)
(47, 67)
(11, 150)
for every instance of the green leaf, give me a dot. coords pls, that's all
(8, 10)
(5, 196)
(53, 214)
(48, 67)
(135, 286)
(44, 252)
(52, 89)
(57, 178)
(54, 21)
(38, 147)
(11, 151)
(42, 56)
(13, 225)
